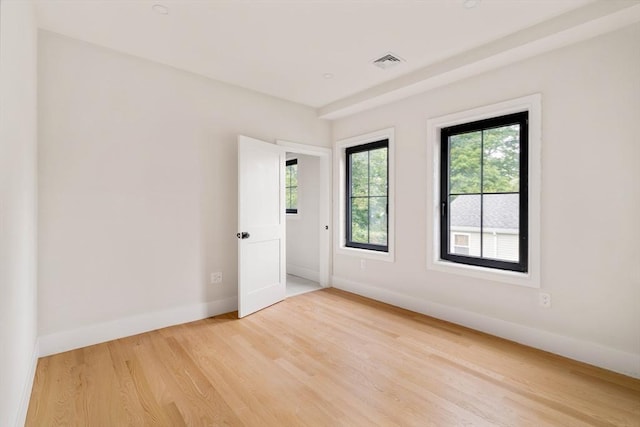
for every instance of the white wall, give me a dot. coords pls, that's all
(18, 205)
(303, 229)
(138, 179)
(590, 204)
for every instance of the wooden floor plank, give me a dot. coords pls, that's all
(327, 358)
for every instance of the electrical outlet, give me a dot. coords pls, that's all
(544, 299)
(363, 264)
(216, 277)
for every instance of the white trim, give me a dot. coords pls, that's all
(304, 272)
(59, 342)
(28, 386)
(530, 103)
(339, 191)
(573, 348)
(298, 148)
(324, 214)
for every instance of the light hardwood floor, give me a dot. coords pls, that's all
(326, 358)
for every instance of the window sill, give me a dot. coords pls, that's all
(294, 216)
(512, 277)
(366, 253)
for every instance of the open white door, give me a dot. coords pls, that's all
(261, 225)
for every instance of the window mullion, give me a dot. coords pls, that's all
(349, 198)
(448, 201)
(368, 196)
(482, 194)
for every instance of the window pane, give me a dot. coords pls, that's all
(501, 169)
(485, 224)
(464, 217)
(464, 162)
(293, 198)
(378, 172)
(360, 220)
(378, 220)
(500, 218)
(291, 186)
(359, 173)
(367, 168)
(293, 176)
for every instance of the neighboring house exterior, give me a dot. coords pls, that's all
(500, 224)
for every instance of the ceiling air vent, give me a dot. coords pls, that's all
(387, 61)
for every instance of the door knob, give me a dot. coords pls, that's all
(243, 235)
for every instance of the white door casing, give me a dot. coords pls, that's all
(261, 215)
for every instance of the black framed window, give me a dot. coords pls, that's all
(484, 193)
(367, 195)
(291, 186)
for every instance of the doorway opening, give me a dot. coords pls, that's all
(308, 217)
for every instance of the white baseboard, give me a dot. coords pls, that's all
(28, 386)
(573, 348)
(305, 273)
(59, 342)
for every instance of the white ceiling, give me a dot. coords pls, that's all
(284, 47)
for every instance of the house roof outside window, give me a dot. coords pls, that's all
(500, 211)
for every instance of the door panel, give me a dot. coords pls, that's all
(261, 214)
